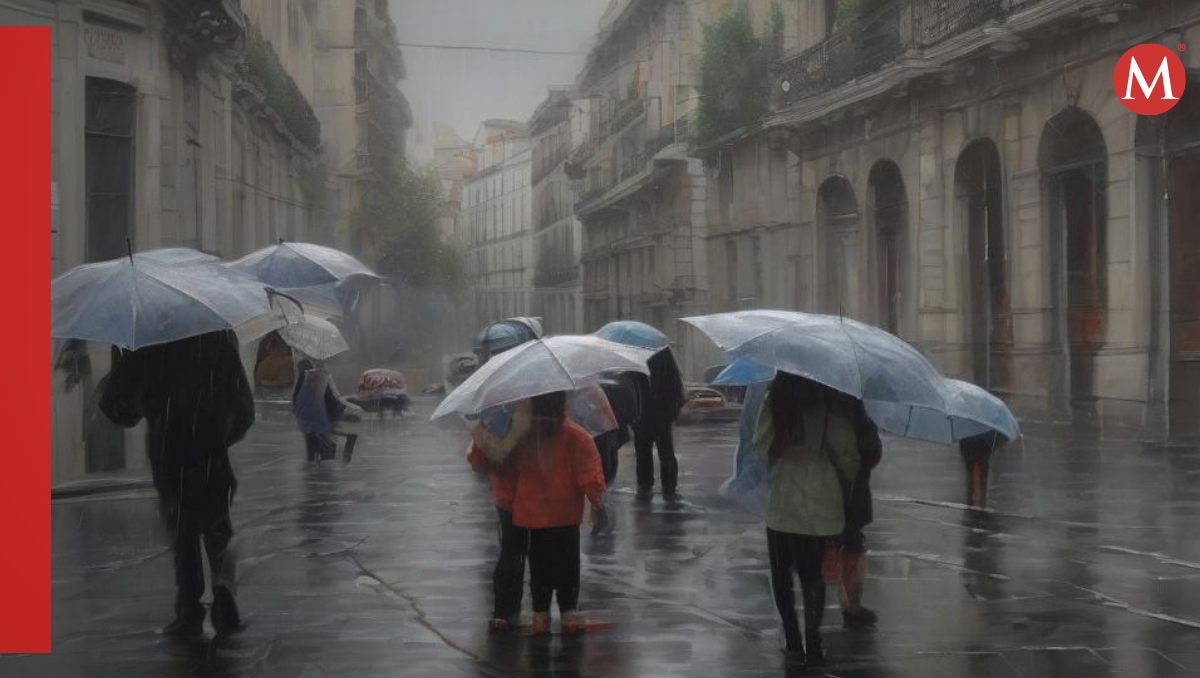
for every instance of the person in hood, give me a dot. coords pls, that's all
(197, 402)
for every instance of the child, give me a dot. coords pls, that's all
(557, 466)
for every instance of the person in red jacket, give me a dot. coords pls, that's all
(557, 467)
(508, 579)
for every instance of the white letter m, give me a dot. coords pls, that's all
(1163, 72)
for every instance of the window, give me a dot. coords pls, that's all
(108, 160)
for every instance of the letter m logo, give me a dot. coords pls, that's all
(1161, 92)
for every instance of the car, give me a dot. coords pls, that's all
(702, 398)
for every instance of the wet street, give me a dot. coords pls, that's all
(1088, 565)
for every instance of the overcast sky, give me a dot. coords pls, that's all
(464, 87)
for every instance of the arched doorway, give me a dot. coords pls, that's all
(980, 196)
(889, 212)
(837, 219)
(1073, 162)
(1181, 150)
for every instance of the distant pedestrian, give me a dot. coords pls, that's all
(977, 454)
(317, 405)
(197, 402)
(809, 445)
(624, 392)
(557, 468)
(660, 408)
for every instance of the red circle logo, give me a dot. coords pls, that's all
(1149, 79)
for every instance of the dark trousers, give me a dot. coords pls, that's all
(508, 580)
(554, 568)
(320, 447)
(803, 554)
(608, 445)
(977, 457)
(645, 439)
(216, 530)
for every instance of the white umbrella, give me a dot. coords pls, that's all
(559, 363)
(314, 337)
(156, 297)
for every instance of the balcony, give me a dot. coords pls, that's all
(902, 30)
(626, 172)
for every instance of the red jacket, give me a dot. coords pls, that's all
(554, 477)
(503, 476)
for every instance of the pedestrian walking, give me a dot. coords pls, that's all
(624, 392)
(558, 467)
(809, 446)
(197, 402)
(494, 459)
(660, 409)
(859, 512)
(317, 405)
(976, 453)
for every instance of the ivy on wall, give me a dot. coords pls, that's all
(734, 71)
(282, 94)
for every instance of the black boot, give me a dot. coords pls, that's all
(814, 653)
(225, 617)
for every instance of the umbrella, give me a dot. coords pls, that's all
(176, 256)
(314, 337)
(139, 301)
(498, 429)
(634, 333)
(854, 358)
(327, 300)
(505, 334)
(301, 264)
(560, 363)
(973, 411)
(743, 372)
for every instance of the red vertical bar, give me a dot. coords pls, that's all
(25, 485)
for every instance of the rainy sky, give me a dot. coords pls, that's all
(464, 87)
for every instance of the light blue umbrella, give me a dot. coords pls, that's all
(743, 372)
(139, 301)
(848, 356)
(973, 411)
(634, 333)
(301, 264)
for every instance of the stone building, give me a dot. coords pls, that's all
(497, 206)
(642, 199)
(963, 174)
(554, 129)
(173, 124)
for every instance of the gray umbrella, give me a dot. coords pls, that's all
(140, 301)
(301, 264)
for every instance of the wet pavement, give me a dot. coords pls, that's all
(1088, 564)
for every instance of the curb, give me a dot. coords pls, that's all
(87, 488)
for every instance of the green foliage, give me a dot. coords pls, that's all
(282, 94)
(851, 11)
(734, 72)
(397, 223)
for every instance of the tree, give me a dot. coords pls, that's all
(734, 72)
(397, 223)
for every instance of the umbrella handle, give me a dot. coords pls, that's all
(272, 293)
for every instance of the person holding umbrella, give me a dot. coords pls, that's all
(197, 402)
(976, 453)
(808, 442)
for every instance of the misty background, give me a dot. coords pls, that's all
(463, 87)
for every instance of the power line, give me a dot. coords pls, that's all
(478, 48)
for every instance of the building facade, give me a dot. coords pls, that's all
(173, 124)
(497, 206)
(964, 175)
(364, 116)
(555, 128)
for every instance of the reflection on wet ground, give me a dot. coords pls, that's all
(1088, 564)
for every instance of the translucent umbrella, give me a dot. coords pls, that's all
(139, 301)
(314, 337)
(854, 358)
(973, 411)
(301, 264)
(559, 363)
(634, 333)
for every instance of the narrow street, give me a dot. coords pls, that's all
(1088, 565)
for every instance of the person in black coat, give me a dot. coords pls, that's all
(660, 409)
(624, 391)
(197, 402)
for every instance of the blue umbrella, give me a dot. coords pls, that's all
(634, 333)
(504, 335)
(743, 372)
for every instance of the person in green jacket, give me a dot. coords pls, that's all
(809, 445)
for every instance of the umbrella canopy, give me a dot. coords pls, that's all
(327, 300)
(854, 358)
(634, 333)
(314, 337)
(560, 363)
(176, 256)
(743, 372)
(973, 411)
(505, 334)
(498, 429)
(301, 264)
(138, 301)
